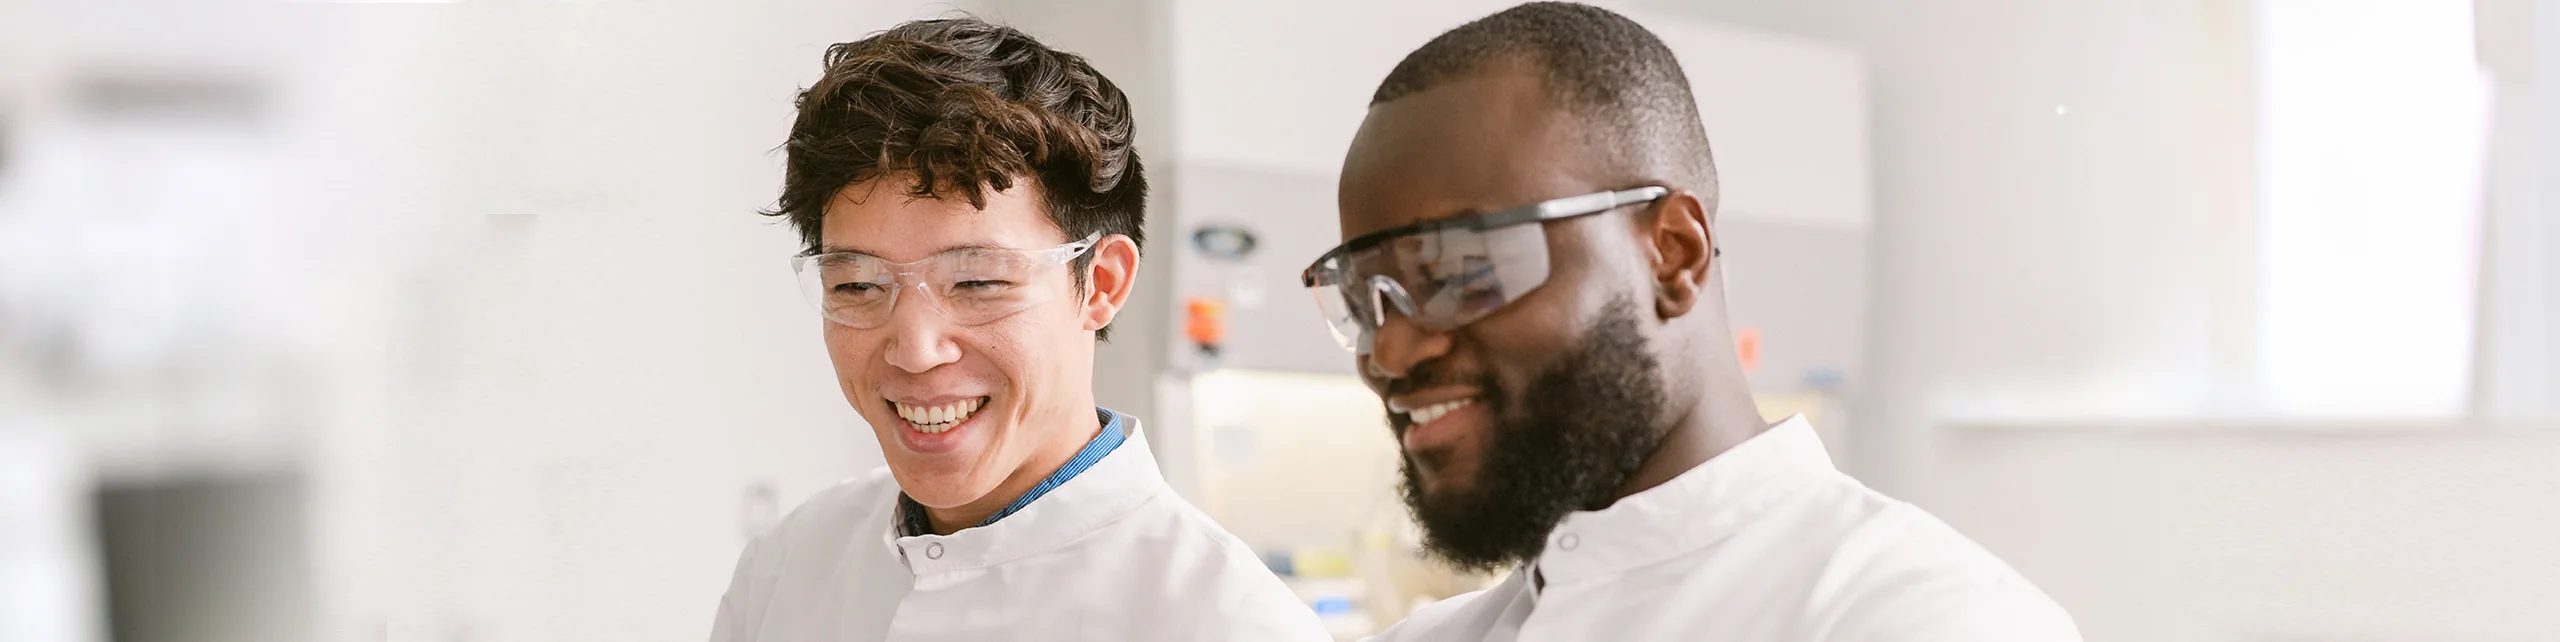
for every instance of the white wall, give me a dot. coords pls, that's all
(600, 353)
(2066, 277)
(48, 579)
(2240, 533)
(1251, 94)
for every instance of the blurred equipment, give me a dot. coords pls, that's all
(213, 97)
(1224, 242)
(1301, 467)
(169, 333)
(205, 559)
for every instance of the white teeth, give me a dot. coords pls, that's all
(936, 419)
(1434, 412)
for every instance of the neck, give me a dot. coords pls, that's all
(1723, 417)
(1073, 429)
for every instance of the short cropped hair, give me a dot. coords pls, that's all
(1612, 72)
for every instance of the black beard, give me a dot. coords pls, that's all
(1586, 426)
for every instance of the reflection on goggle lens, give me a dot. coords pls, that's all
(1444, 274)
(971, 286)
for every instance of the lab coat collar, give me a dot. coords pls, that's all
(1121, 482)
(1694, 510)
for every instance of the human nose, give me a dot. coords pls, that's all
(1398, 343)
(919, 337)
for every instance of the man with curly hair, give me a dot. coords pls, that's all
(972, 206)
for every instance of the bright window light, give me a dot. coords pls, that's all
(2372, 118)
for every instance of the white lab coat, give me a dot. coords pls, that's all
(1113, 554)
(1766, 542)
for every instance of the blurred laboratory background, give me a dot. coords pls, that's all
(2222, 320)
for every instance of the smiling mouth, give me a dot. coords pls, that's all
(939, 418)
(1427, 414)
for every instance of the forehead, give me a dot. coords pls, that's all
(1491, 141)
(880, 218)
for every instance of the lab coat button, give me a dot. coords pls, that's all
(933, 551)
(1568, 541)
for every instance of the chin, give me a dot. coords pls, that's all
(941, 480)
(943, 490)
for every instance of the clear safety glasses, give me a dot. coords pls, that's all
(1447, 273)
(971, 286)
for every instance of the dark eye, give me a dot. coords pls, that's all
(979, 285)
(858, 287)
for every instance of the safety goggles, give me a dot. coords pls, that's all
(971, 286)
(1447, 273)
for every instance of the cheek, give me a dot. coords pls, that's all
(1539, 323)
(850, 352)
(1517, 345)
(849, 349)
(1045, 328)
(1011, 346)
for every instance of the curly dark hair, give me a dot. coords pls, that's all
(967, 107)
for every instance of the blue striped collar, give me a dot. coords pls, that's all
(1114, 432)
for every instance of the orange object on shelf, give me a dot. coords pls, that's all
(1746, 346)
(1207, 323)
